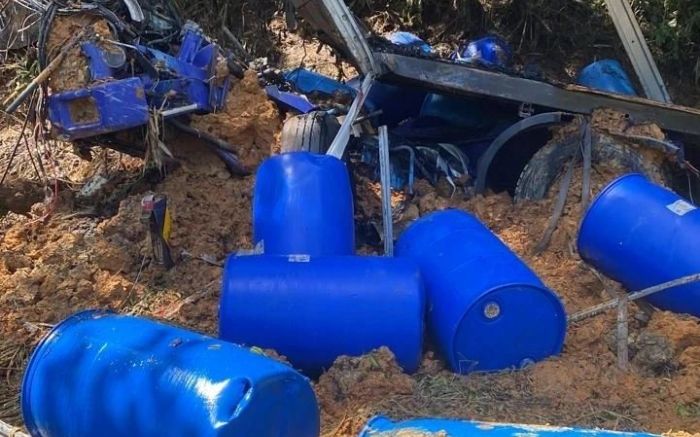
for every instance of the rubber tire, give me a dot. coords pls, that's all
(313, 132)
(545, 166)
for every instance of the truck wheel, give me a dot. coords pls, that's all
(546, 165)
(312, 132)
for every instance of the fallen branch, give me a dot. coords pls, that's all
(205, 258)
(623, 353)
(189, 300)
(558, 206)
(598, 309)
(221, 148)
(15, 148)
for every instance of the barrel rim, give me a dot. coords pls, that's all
(30, 370)
(598, 198)
(549, 293)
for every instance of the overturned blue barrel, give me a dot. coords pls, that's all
(313, 310)
(302, 204)
(641, 234)
(488, 310)
(383, 427)
(102, 374)
(607, 75)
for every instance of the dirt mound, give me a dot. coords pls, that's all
(582, 387)
(73, 72)
(250, 122)
(355, 389)
(49, 270)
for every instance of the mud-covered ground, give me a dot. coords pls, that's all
(60, 256)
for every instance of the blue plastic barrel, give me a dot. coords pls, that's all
(103, 374)
(381, 426)
(308, 82)
(302, 204)
(313, 310)
(641, 234)
(607, 75)
(459, 111)
(487, 310)
(397, 102)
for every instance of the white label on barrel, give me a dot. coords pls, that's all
(681, 207)
(299, 258)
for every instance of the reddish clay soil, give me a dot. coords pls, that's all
(249, 122)
(73, 72)
(53, 266)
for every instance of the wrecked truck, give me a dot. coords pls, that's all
(480, 123)
(472, 119)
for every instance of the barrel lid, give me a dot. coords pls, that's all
(511, 326)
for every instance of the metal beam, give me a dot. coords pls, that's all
(464, 79)
(352, 34)
(338, 27)
(385, 177)
(637, 49)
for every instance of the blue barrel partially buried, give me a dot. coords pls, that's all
(487, 310)
(607, 75)
(313, 310)
(641, 234)
(383, 427)
(103, 374)
(302, 204)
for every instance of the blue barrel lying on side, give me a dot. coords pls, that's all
(488, 310)
(302, 204)
(383, 427)
(313, 310)
(103, 374)
(641, 234)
